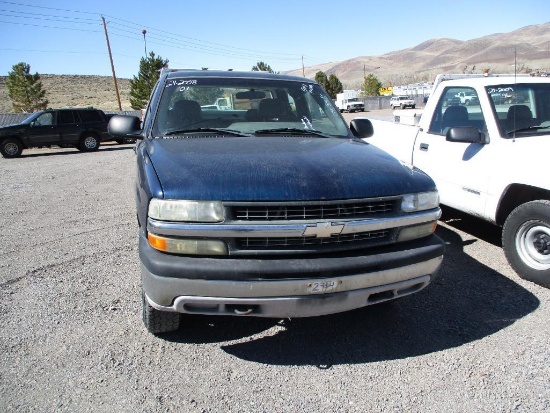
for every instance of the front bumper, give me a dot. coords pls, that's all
(282, 286)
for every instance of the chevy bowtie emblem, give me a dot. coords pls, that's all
(323, 230)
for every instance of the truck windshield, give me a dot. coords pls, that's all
(245, 105)
(522, 109)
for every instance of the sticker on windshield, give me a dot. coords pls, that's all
(181, 82)
(500, 89)
(329, 105)
(307, 124)
(307, 88)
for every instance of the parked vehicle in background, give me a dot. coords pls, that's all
(402, 102)
(274, 209)
(466, 98)
(84, 129)
(349, 101)
(488, 160)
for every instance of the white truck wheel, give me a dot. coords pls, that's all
(526, 241)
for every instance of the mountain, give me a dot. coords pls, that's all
(528, 47)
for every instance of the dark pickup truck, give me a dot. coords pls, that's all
(84, 129)
(271, 206)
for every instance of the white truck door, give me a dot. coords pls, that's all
(460, 170)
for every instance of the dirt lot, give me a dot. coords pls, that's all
(476, 340)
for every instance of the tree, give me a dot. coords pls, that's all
(262, 67)
(334, 86)
(142, 85)
(25, 90)
(371, 86)
(321, 78)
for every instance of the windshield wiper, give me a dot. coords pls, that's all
(526, 129)
(293, 131)
(213, 130)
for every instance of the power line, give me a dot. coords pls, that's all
(164, 38)
(52, 27)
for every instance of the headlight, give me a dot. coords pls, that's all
(186, 211)
(420, 201)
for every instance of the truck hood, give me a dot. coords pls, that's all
(278, 168)
(7, 129)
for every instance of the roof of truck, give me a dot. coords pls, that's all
(176, 73)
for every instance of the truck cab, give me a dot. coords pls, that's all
(487, 158)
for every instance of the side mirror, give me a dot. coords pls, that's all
(124, 126)
(361, 128)
(466, 134)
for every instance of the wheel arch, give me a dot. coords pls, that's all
(514, 196)
(88, 132)
(22, 141)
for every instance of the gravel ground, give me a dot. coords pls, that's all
(476, 340)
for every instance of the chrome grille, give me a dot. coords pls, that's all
(341, 210)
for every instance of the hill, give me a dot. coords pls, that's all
(76, 91)
(527, 48)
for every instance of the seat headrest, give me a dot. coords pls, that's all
(519, 112)
(455, 113)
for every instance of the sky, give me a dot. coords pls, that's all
(67, 37)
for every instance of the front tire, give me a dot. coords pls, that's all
(88, 143)
(11, 148)
(156, 321)
(526, 241)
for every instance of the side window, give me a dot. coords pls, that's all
(90, 116)
(46, 119)
(458, 106)
(65, 117)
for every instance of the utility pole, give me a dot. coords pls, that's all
(112, 64)
(303, 69)
(145, 41)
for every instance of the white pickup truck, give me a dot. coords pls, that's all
(490, 160)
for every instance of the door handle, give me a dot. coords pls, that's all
(424, 146)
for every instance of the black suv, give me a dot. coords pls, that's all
(84, 129)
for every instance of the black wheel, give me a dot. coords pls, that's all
(88, 143)
(526, 241)
(413, 106)
(158, 321)
(11, 148)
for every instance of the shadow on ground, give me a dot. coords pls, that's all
(73, 151)
(466, 302)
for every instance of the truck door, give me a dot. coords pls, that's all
(69, 127)
(43, 130)
(460, 170)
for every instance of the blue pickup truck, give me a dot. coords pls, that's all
(272, 207)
